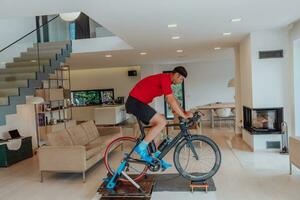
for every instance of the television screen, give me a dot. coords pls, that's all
(107, 96)
(92, 97)
(86, 97)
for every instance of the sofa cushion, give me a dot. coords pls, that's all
(91, 130)
(90, 152)
(105, 140)
(103, 131)
(59, 138)
(93, 149)
(99, 145)
(78, 135)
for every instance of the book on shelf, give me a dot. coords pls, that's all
(41, 119)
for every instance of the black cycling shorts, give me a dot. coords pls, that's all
(140, 110)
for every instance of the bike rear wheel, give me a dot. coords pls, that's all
(115, 153)
(209, 158)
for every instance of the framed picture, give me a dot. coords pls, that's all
(178, 91)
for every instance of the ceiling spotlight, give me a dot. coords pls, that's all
(172, 26)
(108, 56)
(175, 37)
(226, 33)
(236, 19)
(143, 53)
(217, 48)
(179, 51)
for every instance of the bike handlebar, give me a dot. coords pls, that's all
(191, 121)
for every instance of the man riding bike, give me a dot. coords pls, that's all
(142, 94)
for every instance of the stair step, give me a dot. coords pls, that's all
(44, 50)
(41, 53)
(3, 101)
(13, 84)
(16, 70)
(61, 44)
(9, 92)
(29, 57)
(30, 63)
(19, 76)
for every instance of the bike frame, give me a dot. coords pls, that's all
(183, 134)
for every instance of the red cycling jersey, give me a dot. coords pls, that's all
(152, 86)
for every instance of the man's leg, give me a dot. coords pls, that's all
(157, 122)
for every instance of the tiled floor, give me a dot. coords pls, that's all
(243, 175)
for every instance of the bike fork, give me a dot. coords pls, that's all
(191, 146)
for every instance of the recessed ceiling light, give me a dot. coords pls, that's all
(179, 50)
(172, 26)
(236, 19)
(33, 61)
(226, 33)
(108, 56)
(217, 48)
(175, 37)
(143, 53)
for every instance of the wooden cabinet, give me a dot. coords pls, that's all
(9, 157)
(110, 115)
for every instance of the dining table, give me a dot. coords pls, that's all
(213, 106)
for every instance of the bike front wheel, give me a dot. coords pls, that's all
(198, 158)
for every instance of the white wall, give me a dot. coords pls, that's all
(294, 79)
(58, 29)
(268, 74)
(10, 31)
(102, 78)
(246, 72)
(206, 82)
(111, 43)
(238, 91)
(297, 86)
(267, 82)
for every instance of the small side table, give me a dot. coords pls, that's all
(9, 157)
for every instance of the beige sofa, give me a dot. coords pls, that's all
(294, 148)
(75, 149)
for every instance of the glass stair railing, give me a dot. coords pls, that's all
(27, 62)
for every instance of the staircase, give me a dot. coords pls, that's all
(21, 77)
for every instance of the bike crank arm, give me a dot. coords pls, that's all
(133, 160)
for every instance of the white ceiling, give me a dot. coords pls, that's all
(143, 24)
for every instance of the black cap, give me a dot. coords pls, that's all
(180, 70)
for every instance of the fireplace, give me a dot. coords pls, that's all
(263, 120)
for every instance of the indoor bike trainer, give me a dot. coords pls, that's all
(128, 177)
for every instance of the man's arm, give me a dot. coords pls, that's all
(172, 101)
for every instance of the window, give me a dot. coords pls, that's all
(178, 91)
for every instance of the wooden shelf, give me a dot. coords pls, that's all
(56, 93)
(51, 94)
(48, 111)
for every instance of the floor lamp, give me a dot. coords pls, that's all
(36, 101)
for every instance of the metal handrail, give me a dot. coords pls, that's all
(28, 34)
